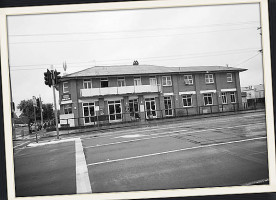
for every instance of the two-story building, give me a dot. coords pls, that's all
(129, 92)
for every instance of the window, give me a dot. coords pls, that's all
(89, 112)
(87, 84)
(104, 82)
(188, 79)
(65, 87)
(115, 111)
(187, 100)
(121, 82)
(137, 81)
(208, 99)
(153, 81)
(209, 78)
(166, 80)
(232, 97)
(168, 106)
(134, 108)
(67, 108)
(229, 77)
(223, 98)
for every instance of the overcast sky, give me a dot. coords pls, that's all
(172, 37)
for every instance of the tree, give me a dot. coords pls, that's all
(27, 111)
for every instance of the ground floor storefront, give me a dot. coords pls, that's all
(113, 109)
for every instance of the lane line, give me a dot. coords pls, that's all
(82, 176)
(162, 135)
(161, 127)
(173, 151)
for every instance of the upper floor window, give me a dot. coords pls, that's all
(209, 78)
(121, 82)
(232, 97)
(208, 99)
(104, 82)
(87, 84)
(188, 79)
(137, 81)
(65, 87)
(166, 80)
(187, 100)
(229, 77)
(153, 81)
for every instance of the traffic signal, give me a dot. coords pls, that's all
(38, 102)
(48, 78)
(56, 77)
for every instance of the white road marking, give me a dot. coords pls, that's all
(20, 144)
(162, 135)
(131, 136)
(257, 182)
(82, 176)
(173, 151)
(50, 142)
(161, 127)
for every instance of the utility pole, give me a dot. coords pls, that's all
(41, 113)
(35, 105)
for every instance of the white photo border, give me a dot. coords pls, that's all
(111, 6)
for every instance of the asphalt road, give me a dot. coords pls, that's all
(225, 151)
(207, 152)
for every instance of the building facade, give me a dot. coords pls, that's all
(141, 92)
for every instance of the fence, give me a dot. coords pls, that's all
(148, 115)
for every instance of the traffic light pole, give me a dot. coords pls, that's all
(55, 105)
(35, 124)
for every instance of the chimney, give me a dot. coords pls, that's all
(135, 62)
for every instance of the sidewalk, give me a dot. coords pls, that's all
(154, 122)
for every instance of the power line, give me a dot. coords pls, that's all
(154, 36)
(137, 30)
(147, 59)
(248, 59)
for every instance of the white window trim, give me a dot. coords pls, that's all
(229, 81)
(234, 97)
(137, 78)
(188, 78)
(63, 88)
(225, 97)
(87, 81)
(168, 78)
(209, 80)
(153, 78)
(121, 79)
(88, 111)
(212, 100)
(191, 100)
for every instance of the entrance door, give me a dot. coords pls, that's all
(134, 108)
(150, 108)
(89, 112)
(115, 111)
(168, 106)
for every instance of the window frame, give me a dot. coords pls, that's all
(224, 94)
(137, 78)
(67, 107)
(229, 78)
(208, 79)
(65, 89)
(153, 78)
(186, 97)
(231, 96)
(121, 80)
(86, 81)
(211, 96)
(168, 80)
(189, 79)
(104, 79)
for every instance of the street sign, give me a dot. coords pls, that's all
(34, 101)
